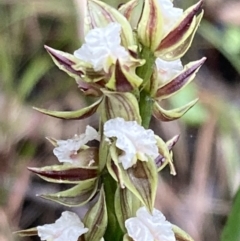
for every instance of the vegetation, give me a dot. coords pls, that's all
(206, 156)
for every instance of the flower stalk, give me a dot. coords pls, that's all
(145, 72)
(129, 66)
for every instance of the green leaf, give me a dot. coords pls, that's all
(72, 115)
(96, 219)
(221, 42)
(231, 231)
(78, 195)
(36, 69)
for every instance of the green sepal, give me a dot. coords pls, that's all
(180, 81)
(124, 78)
(178, 41)
(118, 104)
(159, 161)
(114, 168)
(127, 238)
(181, 235)
(96, 219)
(66, 174)
(141, 179)
(76, 68)
(27, 232)
(170, 143)
(72, 115)
(99, 14)
(104, 155)
(87, 156)
(153, 83)
(131, 10)
(150, 26)
(170, 115)
(164, 152)
(126, 204)
(78, 195)
(67, 62)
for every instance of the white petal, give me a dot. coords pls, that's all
(67, 149)
(170, 15)
(91, 134)
(168, 69)
(67, 228)
(156, 224)
(101, 46)
(132, 139)
(137, 230)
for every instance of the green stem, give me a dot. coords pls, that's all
(146, 70)
(113, 229)
(146, 106)
(146, 101)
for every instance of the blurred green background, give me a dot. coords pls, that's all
(207, 157)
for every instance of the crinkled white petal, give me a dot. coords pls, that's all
(168, 69)
(150, 227)
(103, 45)
(137, 230)
(170, 15)
(67, 228)
(132, 139)
(67, 149)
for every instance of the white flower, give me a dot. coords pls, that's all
(168, 69)
(135, 141)
(170, 15)
(66, 150)
(67, 228)
(149, 227)
(103, 47)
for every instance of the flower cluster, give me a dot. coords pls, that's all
(130, 66)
